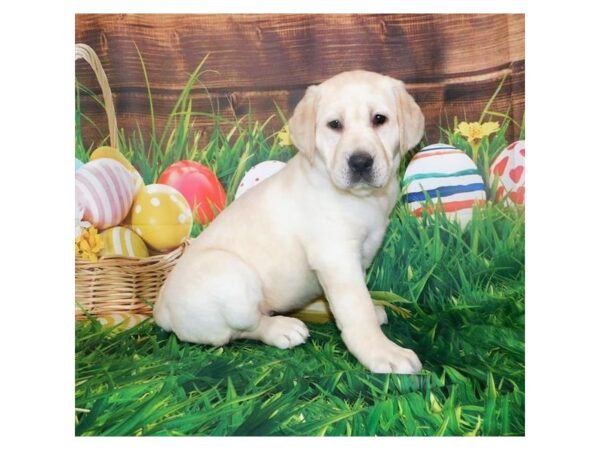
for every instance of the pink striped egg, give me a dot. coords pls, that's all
(104, 189)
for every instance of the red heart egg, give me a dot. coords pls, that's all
(519, 196)
(507, 174)
(500, 166)
(515, 174)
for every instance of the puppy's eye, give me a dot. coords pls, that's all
(379, 119)
(335, 125)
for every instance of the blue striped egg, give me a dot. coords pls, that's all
(448, 177)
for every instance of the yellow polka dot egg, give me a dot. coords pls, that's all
(161, 216)
(121, 241)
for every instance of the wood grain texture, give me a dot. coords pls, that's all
(452, 63)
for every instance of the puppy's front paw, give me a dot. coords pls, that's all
(391, 358)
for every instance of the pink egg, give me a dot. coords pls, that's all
(104, 189)
(508, 173)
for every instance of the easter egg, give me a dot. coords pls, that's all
(138, 181)
(507, 173)
(318, 311)
(121, 241)
(200, 187)
(121, 321)
(104, 190)
(448, 177)
(78, 164)
(258, 173)
(161, 216)
(111, 153)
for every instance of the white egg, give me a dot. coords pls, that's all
(257, 174)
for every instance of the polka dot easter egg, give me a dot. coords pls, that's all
(161, 216)
(104, 189)
(121, 241)
(448, 177)
(257, 174)
(507, 174)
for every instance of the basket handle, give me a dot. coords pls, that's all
(86, 52)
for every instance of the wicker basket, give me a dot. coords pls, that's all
(117, 284)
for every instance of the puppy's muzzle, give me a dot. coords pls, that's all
(360, 164)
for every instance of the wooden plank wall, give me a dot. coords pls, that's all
(452, 63)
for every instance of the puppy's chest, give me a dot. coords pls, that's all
(372, 241)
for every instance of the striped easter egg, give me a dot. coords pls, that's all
(104, 188)
(448, 177)
(121, 241)
(121, 321)
(113, 153)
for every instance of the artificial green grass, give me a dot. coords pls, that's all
(463, 291)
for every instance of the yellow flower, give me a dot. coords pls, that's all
(89, 244)
(475, 131)
(283, 137)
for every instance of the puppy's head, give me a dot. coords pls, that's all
(355, 126)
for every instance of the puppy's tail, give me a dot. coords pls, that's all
(161, 312)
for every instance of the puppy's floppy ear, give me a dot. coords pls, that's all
(410, 118)
(303, 123)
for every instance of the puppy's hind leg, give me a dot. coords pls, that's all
(161, 312)
(238, 291)
(215, 297)
(279, 331)
(209, 297)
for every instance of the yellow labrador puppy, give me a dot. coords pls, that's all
(313, 227)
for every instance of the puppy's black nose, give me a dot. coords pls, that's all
(360, 162)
